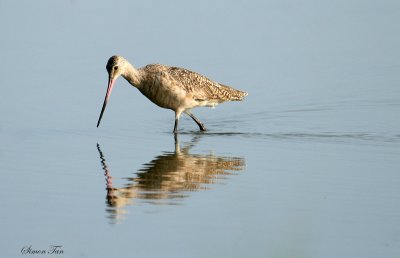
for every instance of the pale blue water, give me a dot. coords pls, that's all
(307, 166)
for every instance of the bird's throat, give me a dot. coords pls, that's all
(132, 75)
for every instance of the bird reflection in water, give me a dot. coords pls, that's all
(168, 178)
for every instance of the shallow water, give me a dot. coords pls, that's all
(306, 166)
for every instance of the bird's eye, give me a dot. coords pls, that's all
(116, 67)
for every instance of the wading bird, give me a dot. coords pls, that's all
(169, 87)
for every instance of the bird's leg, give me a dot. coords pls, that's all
(198, 122)
(176, 125)
(177, 115)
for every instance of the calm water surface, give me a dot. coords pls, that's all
(307, 166)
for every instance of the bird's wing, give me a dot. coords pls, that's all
(203, 88)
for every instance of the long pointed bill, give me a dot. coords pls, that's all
(109, 89)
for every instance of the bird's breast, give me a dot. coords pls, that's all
(165, 92)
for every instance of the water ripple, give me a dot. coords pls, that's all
(323, 136)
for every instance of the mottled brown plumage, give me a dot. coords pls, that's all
(173, 88)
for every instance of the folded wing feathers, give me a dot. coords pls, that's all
(203, 88)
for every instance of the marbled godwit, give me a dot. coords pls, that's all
(173, 88)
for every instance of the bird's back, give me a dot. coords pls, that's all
(195, 84)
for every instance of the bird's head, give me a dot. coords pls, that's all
(116, 66)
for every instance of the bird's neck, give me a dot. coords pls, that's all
(132, 75)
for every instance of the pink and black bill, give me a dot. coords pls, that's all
(109, 89)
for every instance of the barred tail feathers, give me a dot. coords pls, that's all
(232, 94)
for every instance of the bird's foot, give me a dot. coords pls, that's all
(202, 128)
